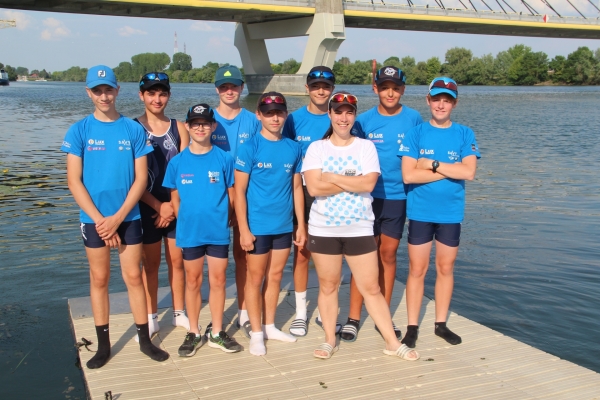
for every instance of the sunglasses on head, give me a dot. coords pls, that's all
(272, 99)
(322, 74)
(152, 76)
(344, 97)
(444, 85)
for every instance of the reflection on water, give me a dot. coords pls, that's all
(528, 261)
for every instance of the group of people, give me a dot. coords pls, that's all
(324, 179)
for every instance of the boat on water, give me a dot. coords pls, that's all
(3, 78)
(41, 80)
(22, 78)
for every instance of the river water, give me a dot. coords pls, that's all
(527, 267)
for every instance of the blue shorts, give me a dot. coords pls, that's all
(130, 232)
(150, 233)
(390, 217)
(265, 243)
(424, 232)
(211, 250)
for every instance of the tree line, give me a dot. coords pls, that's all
(519, 65)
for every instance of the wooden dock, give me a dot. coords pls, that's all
(487, 365)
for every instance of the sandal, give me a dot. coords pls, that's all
(349, 331)
(247, 328)
(327, 348)
(403, 352)
(338, 326)
(397, 331)
(299, 325)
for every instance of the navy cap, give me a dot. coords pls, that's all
(228, 74)
(200, 111)
(320, 73)
(392, 74)
(272, 101)
(100, 75)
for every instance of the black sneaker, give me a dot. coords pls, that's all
(224, 342)
(190, 345)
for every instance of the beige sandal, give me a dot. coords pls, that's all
(403, 352)
(327, 348)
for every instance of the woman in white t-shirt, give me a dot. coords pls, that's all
(341, 171)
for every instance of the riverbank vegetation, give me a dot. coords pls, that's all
(519, 65)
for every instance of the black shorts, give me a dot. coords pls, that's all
(308, 200)
(424, 232)
(265, 243)
(350, 246)
(130, 232)
(390, 216)
(150, 233)
(212, 250)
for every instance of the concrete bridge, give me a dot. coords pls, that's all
(324, 22)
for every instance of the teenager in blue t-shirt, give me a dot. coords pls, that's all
(107, 175)
(437, 158)
(168, 138)
(235, 126)
(268, 190)
(306, 125)
(385, 125)
(201, 183)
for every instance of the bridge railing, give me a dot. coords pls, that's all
(367, 5)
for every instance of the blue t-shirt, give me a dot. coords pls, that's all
(305, 127)
(442, 201)
(108, 151)
(231, 133)
(271, 166)
(386, 133)
(201, 181)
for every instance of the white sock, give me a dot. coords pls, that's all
(180, 319)
(153, 326)
(272, 333)
(243, 317)
(257, 344)
(301, 305)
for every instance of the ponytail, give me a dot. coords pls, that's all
(328, 133)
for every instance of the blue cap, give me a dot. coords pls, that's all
(100, 75)
(228, 74)
(444, 85)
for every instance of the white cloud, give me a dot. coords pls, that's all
(23, 20)
(205, 26)
(218, 42)
(129, 31)
(55, 29)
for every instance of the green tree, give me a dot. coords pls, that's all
(458, 63)
(149, 62)
(502, 64)
(290, 66)
(557, 66)
(181, 62)
(36, 72)
(338, 70)
(12, 72)
(1, 65)
(407, 64)
(482, 70)
(357, 73)
(420, 74)
(344, 61)
(44, 74)
(392, 61)
(528, 68)
(581, 67)
(124, 72)
(434, 68)
(22, 71)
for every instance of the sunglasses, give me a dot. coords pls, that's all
(322, 74)
(203, 125)
(152, 76)
(344, 97)
(444, 85)
(272, 99)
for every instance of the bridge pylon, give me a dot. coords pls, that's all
(325, 31)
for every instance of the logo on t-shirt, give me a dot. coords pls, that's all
(186, 181)
(288, 167)
(404, 148)
(426, 151)
(474, 147)
(453, 155)
(264, 165)
(301, 138)
(214, 177)
(66, 144)
(96, 142)
(375, 135)
(219, 137)
(168, 144)
(349, 172)
(239, 162)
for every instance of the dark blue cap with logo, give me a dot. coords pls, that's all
(200, 111)
(392, 74)
(228, 74)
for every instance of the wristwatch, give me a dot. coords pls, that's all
(434, 165)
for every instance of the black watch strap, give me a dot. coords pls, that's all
(435, 165)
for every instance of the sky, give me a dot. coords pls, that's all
(56, 42)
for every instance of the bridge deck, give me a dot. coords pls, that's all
(487, 365)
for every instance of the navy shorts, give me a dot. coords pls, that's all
(130, 232)
(265, 243)
(212, 250)
(150, 233)
(390, 216)
(424, 232)
(308, 200)
(349, 246)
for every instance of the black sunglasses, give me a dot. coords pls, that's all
(322, 74)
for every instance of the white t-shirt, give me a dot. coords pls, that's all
(345, 214)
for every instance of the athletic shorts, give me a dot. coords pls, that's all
(212, 250)
(424, 232)
(350, 246)
(265, 243)
(130, 232)
(308, 200)
(152, 234)
(390, 216)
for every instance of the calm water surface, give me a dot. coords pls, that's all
(527, 267)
